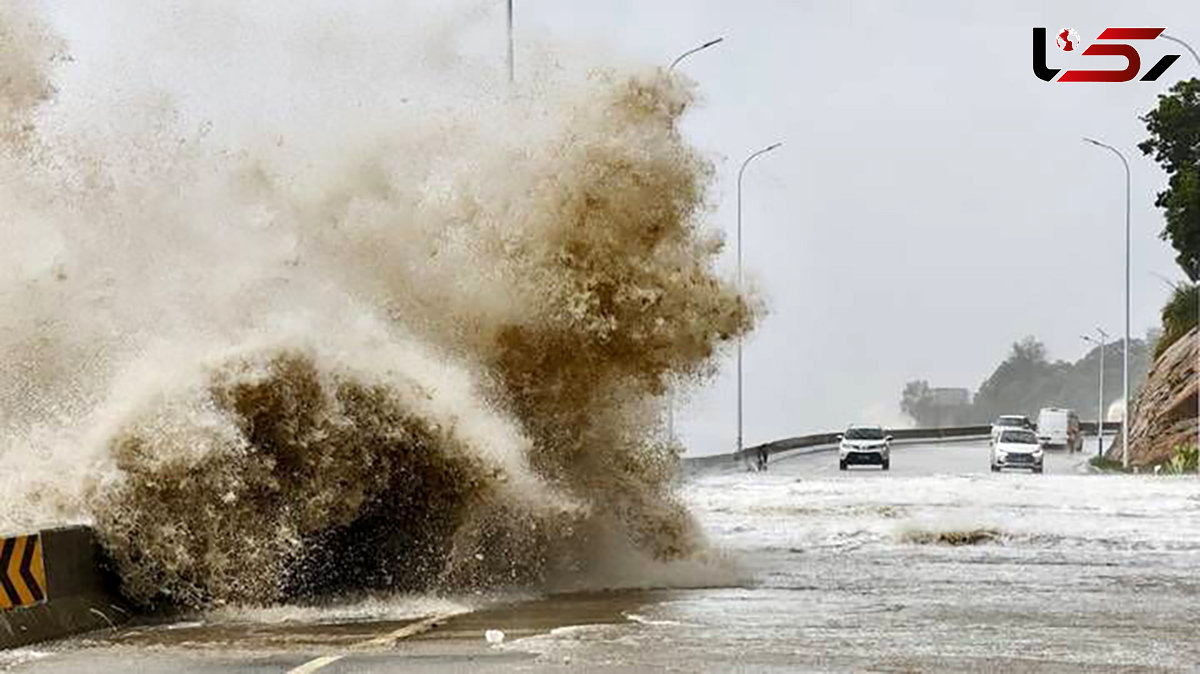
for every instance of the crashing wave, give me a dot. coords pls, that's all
(434, 356)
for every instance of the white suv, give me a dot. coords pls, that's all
(1017, 448)
(864, 445)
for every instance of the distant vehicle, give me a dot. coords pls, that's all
(1017, 448)
(865, 445)
(1058, 427)
(1010, 421)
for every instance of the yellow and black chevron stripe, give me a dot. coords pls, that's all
(22, 572)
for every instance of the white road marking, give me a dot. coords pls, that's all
(314, 665)
(409, 630)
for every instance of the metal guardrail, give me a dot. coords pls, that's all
(1089, 427)
(820, 439)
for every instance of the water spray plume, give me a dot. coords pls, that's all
(427, 354)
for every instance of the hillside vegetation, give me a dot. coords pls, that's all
(1026, 381)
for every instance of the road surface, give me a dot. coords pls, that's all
(936, 566)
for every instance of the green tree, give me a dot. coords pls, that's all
(1026, 381)
(1174, 126)
(1178, 316)
(1023, 378)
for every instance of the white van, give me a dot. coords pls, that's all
(1058, 427)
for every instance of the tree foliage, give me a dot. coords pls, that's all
(1178, 316)
(1026, 381)
(1025, 375)
(1174, 142)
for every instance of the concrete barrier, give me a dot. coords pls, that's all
(54, 584)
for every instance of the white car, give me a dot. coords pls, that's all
(864, 445)
(1017, 448)
(1010, 421)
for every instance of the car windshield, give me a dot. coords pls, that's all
(1019, 437)
(1010, 421)
(864, 434)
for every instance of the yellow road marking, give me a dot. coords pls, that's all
(409, 630)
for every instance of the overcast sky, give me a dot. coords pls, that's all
(932, 203)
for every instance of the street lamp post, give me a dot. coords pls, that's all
(671, 419)
(742, 171)
(706, 45)
(1102, 342)
(510, 41)
(1197, 58)
(693, 50)
(1125, 355)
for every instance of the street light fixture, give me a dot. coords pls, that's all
(1102, 343)
(741, 171)
(693, 50)
(1125, 355)
(1185, 45)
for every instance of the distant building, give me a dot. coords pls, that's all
(950, 406)
(949, 397)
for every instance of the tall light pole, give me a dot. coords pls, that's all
(510, 41)
(1185, 45)
(1196, 289)
(706, 45)
(1102, 343)
(1125, 355)
(1197, 58)
(742, 171)
(693, 50)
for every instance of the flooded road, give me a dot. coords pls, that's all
(937, 566)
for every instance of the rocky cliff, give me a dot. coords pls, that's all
(1164, 411)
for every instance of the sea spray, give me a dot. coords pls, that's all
(435, 358)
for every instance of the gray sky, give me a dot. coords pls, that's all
(933, 201)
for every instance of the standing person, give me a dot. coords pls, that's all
(762, 457)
